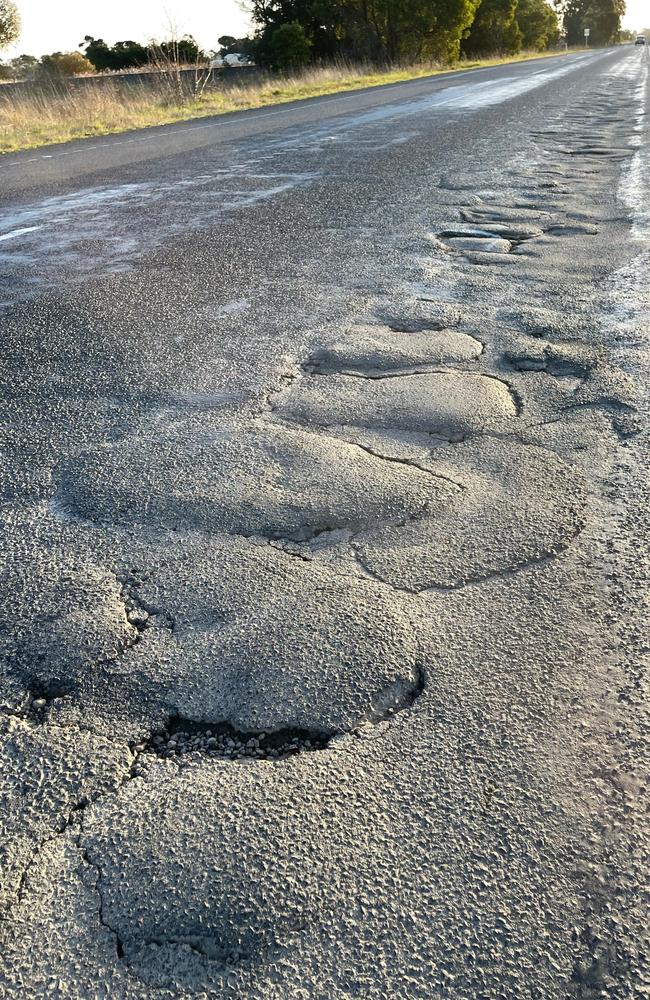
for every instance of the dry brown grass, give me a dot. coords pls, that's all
(38, 116)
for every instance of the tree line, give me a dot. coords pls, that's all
(602, 17)
(291, 33)
(388, 31)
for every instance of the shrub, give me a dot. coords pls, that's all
(66, 64)
(285, 48)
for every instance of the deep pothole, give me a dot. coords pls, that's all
(181, 736)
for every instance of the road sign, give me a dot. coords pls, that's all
(587, 32)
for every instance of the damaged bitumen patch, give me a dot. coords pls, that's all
(448, 404)
(266, 481)
(491, 238)
(42, 694)
(551, 361)
(182, 736)
(219, 739)
(372, 350)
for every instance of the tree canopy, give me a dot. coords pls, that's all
(494, 29)
(130, 55)
(381, 30)
(405, 30)
(122, 55)
(290, 33)
(9, 23)
(538, 24)
(602, 17)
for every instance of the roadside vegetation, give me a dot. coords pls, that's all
(299, 48)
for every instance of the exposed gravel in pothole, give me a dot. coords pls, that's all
(183, 736)
(41, 695)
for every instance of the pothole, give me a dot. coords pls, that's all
(548, 363)
(493, 237)
(376, 350)
(219, 739)
(573, 229)
(447, 404)
(181, 737)
(42, 694)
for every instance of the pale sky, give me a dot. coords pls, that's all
(59, 26)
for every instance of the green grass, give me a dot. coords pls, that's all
(38, 117)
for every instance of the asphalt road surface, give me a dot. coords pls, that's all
(325, 544)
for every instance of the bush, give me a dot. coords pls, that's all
(495, 29)
(286, 48)
(538, 24)
(66, 64)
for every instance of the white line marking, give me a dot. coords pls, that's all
(18, 232)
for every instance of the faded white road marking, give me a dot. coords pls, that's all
(18, 232)
(628, 319)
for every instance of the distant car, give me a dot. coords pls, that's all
(232, 59)
(640, 40)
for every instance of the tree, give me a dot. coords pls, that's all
(285, 48)
(122, 55)
(538, 24)
(24, 66)
(129, 54)
(602, 17)
(98, 53)
(66, 64)
(228, 44)
(494, 29)
(9, 23)
(379, 30)
(179, 50)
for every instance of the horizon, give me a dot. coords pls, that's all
(46, 29)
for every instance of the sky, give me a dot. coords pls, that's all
(59, 26)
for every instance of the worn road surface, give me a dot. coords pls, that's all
(324, 558)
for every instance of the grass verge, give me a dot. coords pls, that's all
(39, 116)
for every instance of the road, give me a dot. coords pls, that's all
(324, 488)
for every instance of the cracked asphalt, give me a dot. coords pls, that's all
(324, 489)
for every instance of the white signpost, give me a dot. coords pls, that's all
(587, 33)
